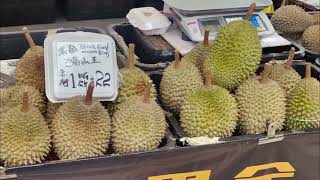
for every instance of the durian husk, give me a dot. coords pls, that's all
(52, 109)
(291, 19)
(316, 18)
(24, 137)
(30, 69)
(80, 130)
(311, 38)
(137, 126)
(12, 97)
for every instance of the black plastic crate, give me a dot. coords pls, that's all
(97, 9)
(21, 12)
(158, 4)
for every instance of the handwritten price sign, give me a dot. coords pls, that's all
(77, 63)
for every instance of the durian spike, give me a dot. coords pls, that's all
(88, 98)
(206, 37)
(132, 57)
(25, 102)
(147, 92)
(250, 11)
(290, 58)
(28, 37)
(266, 71)
(177, 59)
(308, 71)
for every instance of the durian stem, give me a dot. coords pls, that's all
(147, 92)
(266, 71)
(28, 37)
(88, 98)
(250, 11)
(290, 58)
(177, 59)
(132, 57)
(308, 71)
(25, 102)
(206, 37)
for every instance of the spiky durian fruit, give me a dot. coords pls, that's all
(303, 105)
(291, 19)
(235, 55)
(12, 97)
(209, 111)
(284, 74)
(316, 18)
(138, 125)
(81, 128)
(52, 108)
(178, 81)
(311, 38)
(199, 54)
(30, 68)
(24, 135)
(132, 82)
(261, 101)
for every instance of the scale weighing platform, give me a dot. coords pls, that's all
(194, 16)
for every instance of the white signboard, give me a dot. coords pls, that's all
(73, 60)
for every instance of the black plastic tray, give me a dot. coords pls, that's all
(177, 130)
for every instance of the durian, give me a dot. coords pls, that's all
(261, 101)
(316, 18)
(30, 68)
(284, 74)
(12, 97)
(311, 38)
(303, 105)
(25, 136)
(291, 19)
(132, 82)
(235, 55)
(138, 125)
(178, 81)
(81, 128)
(209, 111)
(52, 108)
(199, 54)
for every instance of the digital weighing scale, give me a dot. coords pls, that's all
(193, 16)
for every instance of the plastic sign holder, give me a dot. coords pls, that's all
(74, 59)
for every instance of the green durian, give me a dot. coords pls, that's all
(291, 19)
(199, 54)
(261, 101)
(283, 73)
(81, 128)
(138, 125)
(311, 38)
(12, 97)
(303, 104)
(178, 81)
(24, 135)
(132, 82)
(30, 68)
(235, 55)
(209, 111)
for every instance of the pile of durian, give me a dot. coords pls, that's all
(31, 127)
(295, 23)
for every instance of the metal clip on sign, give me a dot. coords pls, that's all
(3, 174)
(271, 135)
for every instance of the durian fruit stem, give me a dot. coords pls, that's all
(132, 57)
(290, 58)
(250, 11)
(206, 37)
(28, 37)
(177, 59)
(308, 71)
(25, 102)
(266, 71)
(147, 92)
(88, 98)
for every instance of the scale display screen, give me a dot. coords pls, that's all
(255, 20)
(213, 24)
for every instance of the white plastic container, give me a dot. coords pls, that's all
(74, 59)
(149, 20)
